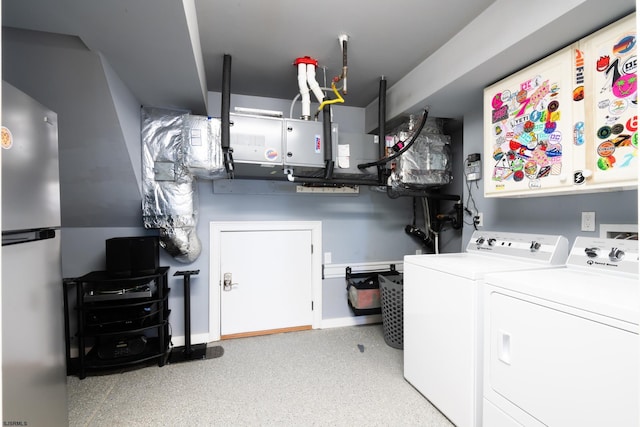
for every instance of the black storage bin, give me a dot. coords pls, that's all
(363, 291)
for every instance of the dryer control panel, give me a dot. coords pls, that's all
(548, 249)
(614, 255)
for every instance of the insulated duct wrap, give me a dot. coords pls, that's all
(177, 147)
(427, 163)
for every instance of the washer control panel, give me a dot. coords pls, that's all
(614, 255)
(552, 249)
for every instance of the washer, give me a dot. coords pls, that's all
(443, 314)
(561, 346)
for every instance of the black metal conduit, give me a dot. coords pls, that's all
(328, 143)
(225, 119)
(382, 133)
(408, 145)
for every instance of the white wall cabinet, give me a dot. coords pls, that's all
(567, 123)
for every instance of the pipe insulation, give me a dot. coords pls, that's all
(328, 143)
(226, 121)
(176, 149)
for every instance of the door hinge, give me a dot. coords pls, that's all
(312, 249)
(311, 305)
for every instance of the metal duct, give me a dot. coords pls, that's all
(176, 147)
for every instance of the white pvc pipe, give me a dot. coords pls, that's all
(313, 84)
(304, 90)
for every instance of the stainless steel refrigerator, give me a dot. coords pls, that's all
(34, 390)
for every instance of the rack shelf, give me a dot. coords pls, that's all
(121, 321)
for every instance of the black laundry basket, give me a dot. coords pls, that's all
(391, 302)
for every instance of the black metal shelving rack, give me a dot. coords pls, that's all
(103, 319)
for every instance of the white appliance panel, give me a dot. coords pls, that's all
(436, 361)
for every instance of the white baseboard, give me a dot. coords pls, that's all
(350, 321)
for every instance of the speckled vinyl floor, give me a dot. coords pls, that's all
(332, 377)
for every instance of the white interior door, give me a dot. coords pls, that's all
(272, 269)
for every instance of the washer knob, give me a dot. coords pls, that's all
(491, 242)
(616, 254)
(480, 240)
(534, 246)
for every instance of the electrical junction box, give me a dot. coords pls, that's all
(473, 167)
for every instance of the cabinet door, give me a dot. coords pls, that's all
(611, 121)
(529, 130)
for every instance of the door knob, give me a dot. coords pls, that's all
(227, 284)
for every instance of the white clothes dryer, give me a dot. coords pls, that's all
(561, 346)
(442, 313)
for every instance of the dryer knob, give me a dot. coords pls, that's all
(534, 246)
(480, 240)
(491, 242)
(592, 252)
(616, 254)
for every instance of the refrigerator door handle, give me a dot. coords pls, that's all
(17, 237)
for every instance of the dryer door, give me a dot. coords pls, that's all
(560, 365)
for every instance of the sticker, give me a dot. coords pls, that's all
(534, 184)
(604, 132)
(553, 106)
(618, 106)
(606, 149)
(318, 144)
(579, 178)
(578, 133)
(622, 141)
(578, 93)
(271, 154)
(544, 171)
(7, 138)
(632, 124)
(625, 86)
(617, 128)
(624, 45)
(605, 163)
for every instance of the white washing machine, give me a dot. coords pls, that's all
(443, 314)
(561, 346)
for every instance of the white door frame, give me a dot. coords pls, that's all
(218, 227)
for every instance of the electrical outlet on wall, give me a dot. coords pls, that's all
(588, 221)
(477, 220)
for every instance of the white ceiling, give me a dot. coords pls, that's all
(170, 52)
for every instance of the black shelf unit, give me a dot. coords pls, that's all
(121, 321)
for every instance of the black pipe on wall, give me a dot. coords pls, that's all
(382, 132)
(225, 110)
(328, 143)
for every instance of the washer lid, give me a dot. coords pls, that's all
(473, 266)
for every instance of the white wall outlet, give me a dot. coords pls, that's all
(477, 220)
(588, 221)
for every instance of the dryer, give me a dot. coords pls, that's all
(442, 313)
(561, 346)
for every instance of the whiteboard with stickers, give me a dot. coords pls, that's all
(567, 123)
